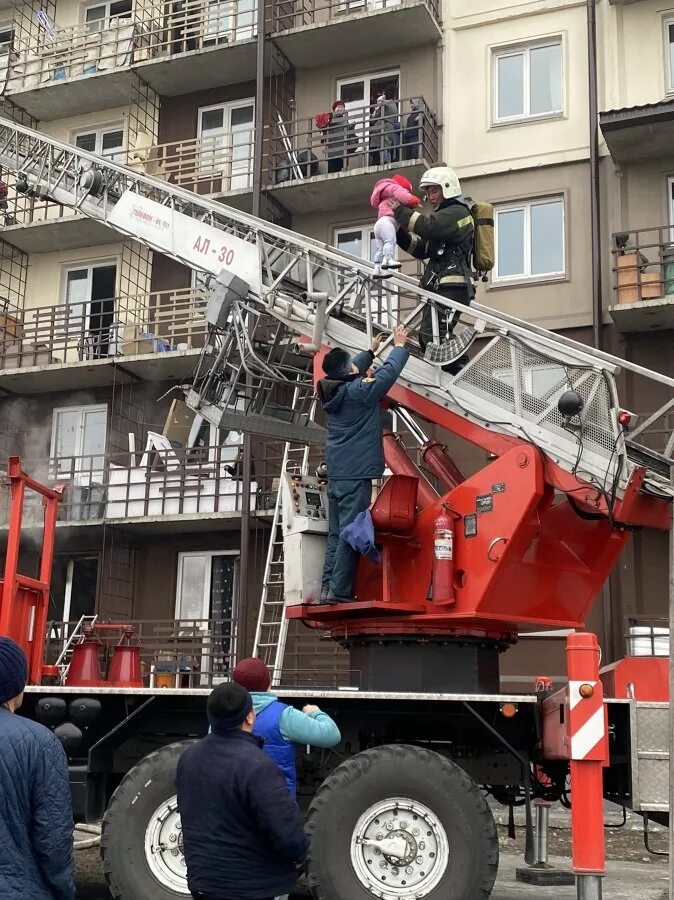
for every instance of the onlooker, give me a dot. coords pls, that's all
(36, 819)
(384, 123)
(354, 449)
(413, 133)
(242, 833)
(340, 137)
(281, 726)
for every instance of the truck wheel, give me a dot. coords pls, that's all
(141, 843)
(399, 822)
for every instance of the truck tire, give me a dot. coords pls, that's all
(142, 815)
(443, 839)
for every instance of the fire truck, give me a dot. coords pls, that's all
(468, 564)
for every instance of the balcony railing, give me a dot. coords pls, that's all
(643, 264)
(160, 481)
(282, 15)
(403, 131)
(56, 54)
(184, 26)
(207, 165)
(100, 329)
(175, 653)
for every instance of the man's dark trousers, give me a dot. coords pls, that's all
(347, 498)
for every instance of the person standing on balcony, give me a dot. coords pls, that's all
(444, 239)
(36, 818)
(386, 189)
(282, 727)
(354, 449)
(384, 122)
(340, 137)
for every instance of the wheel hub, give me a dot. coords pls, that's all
(399, 850)
(164, 847)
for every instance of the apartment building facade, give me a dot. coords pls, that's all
(230, 99)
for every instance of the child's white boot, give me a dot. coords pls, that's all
(378, 273)
(390, 263)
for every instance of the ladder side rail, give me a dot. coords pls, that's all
(227, 217)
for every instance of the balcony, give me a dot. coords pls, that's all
(163, 488)
(325, 32)
(192, 45)
(310, 169)
(643, 280)
(215, 167)
(152, 336)
(639, 132)
(86, 67)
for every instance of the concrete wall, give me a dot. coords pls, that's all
(474, 30)
(634, 61)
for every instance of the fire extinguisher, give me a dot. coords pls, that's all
(443, 560)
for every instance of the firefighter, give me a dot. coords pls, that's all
(354, 449)
(444, 238)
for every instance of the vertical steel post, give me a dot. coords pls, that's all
(588, 745)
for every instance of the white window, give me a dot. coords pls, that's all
(227, 136)
(360, 93)
(528, 82)
(78, 442)
(89, 297)
(106, 141)
(669, 54)
(206, 601)
(546, 383)
(530, 241)
(97, 16)
(359, 241)
(6, 37)
(670, 203)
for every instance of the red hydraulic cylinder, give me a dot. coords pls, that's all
(588, 753)
(443, 560)
(399, 463)
(441, 464)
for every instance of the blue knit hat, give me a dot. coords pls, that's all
(13, 670)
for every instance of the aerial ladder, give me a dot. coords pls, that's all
(535, 533)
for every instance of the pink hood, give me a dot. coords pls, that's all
(386, 189)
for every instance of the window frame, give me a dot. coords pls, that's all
(667, 23)
(100, 131)
(108, 17)
(527, 277)
(82, 411)
(525, 50)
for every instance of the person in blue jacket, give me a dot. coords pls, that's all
(354, 449)
(283, 727)
(36, 818)
(242, 832)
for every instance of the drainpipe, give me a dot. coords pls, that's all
(595, 210)
(259, 108)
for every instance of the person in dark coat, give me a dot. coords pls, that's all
(242, 833)
(36, 819)
(444, 238)
(354, 449)
(340, 137)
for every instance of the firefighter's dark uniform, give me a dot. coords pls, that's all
(445, 239)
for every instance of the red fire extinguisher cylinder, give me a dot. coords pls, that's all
(443, 560)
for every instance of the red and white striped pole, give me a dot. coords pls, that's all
(588, 753)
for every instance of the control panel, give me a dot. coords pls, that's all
(305, 505)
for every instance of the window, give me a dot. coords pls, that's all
(530, 241)
(669, 54)
(74, 588)
(546, 382)
(78, 442)
(207, 591)
(359, 241)
(528, 82)
(227, 135)
(97, 16)
(359, 94)
(107, 142)
(6, 38)
(89, 295)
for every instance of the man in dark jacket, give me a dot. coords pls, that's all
(242, 832)
(354, 449)
(445, 239)
(36, 819)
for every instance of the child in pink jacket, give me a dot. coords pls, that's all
(395, 188)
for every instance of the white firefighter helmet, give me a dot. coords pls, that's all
(445, 178)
